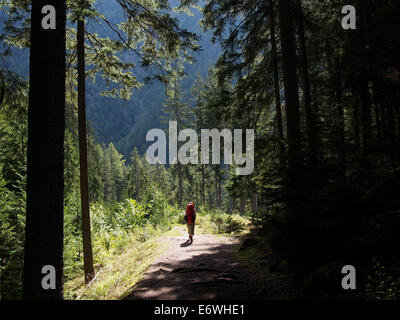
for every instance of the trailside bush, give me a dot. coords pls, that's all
(215, 221)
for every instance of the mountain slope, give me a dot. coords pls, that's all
(125, 123)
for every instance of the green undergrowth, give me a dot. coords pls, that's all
(219, 223)
(119, 269)
(124, 243)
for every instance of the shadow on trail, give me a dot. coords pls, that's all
(186, 244)
(205, 269)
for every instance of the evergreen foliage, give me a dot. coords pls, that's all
(324, 104)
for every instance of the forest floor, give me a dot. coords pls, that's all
(209, 268)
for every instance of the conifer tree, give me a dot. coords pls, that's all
(175, 109)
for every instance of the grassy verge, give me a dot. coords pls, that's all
(118, 270)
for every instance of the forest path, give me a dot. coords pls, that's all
(205, 269)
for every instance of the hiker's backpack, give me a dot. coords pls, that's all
(190, 211)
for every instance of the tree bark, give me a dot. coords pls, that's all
(203, 195)
(310, 123)
(197, 190)
(278, 104)
(377, 109)
(335, 69)
(340, 127)
(218, 189)
(44, 233)
(230, 206)
(356, 124)
(291, 103)
(253, 205)
(366, 114)
(180, 184)
(242, 205)
(86, 232)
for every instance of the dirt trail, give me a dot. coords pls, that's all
(205, 269)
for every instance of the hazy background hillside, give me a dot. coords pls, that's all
(125, 123)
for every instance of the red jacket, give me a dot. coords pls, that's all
(190, 215)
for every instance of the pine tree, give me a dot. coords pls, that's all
(277, 91)
(176, 109)
(291, 101)
(118, 173)
(137, 177)
(309, 114)
(86, 232)
(110, 191)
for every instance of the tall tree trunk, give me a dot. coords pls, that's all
(86, 233)
(44, 233)
(253, 205)
(310, 123)
(197, 190)
(230, 202)
(340, 133)
(242, 205)
(377, 109)
(276, 81)
(366, 57)
(335, 70)
(218, 190)
(366, 114)
(291, 103)
(203, 194)
(180, 184)
(387, 121)
(356, 123)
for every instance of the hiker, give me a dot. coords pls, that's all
(190, 218)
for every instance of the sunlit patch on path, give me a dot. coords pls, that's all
(205, 269)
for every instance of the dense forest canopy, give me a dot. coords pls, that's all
(323, 101)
